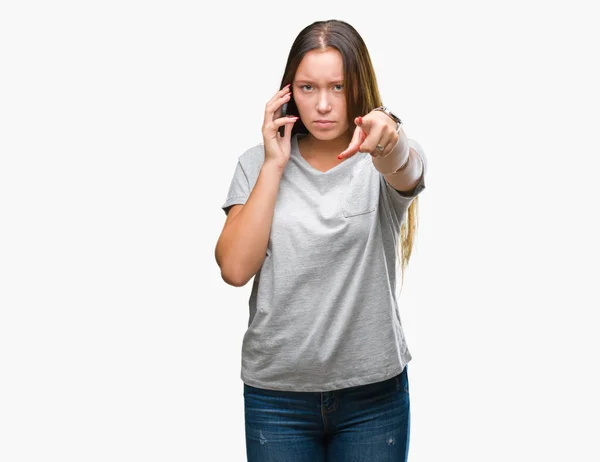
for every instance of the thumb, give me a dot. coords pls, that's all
(288, 130)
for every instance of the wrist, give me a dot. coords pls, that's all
(274, 167)
(391, 115)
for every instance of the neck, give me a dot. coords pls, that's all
(326, 148)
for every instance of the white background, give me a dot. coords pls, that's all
(120, 126)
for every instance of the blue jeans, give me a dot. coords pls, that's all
(368, 423)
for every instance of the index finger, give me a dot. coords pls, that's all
(279, 94)
(274, 105)
(357, 139)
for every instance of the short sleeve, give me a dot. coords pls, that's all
(400, 201)
(239, 189)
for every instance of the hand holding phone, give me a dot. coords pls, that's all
(276, 122)
(283, 114)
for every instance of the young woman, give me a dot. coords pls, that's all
(320, 217)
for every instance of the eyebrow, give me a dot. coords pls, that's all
(311, 81)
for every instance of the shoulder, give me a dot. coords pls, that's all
(251, 161)
(254, 156)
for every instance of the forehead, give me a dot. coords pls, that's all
(321, 66)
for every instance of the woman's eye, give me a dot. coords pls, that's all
(308, 87)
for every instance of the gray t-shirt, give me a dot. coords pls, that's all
(323, 308)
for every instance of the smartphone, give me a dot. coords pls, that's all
(283, 114)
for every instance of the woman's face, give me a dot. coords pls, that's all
(318, 90)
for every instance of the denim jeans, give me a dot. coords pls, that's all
(368, 423)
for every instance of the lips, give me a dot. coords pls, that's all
(324, 124)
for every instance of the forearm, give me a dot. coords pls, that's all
(243, 243)
(407, 178)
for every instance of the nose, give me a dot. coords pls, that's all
(323, 105)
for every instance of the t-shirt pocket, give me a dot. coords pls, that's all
(361, 194)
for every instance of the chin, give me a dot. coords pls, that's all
(327, 135)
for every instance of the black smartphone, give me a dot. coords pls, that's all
(283, 114)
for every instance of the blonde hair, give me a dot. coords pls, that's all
(408, 232)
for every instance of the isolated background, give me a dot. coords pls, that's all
(120, 126)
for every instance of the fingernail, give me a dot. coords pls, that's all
(359, 120)
(340, 156)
